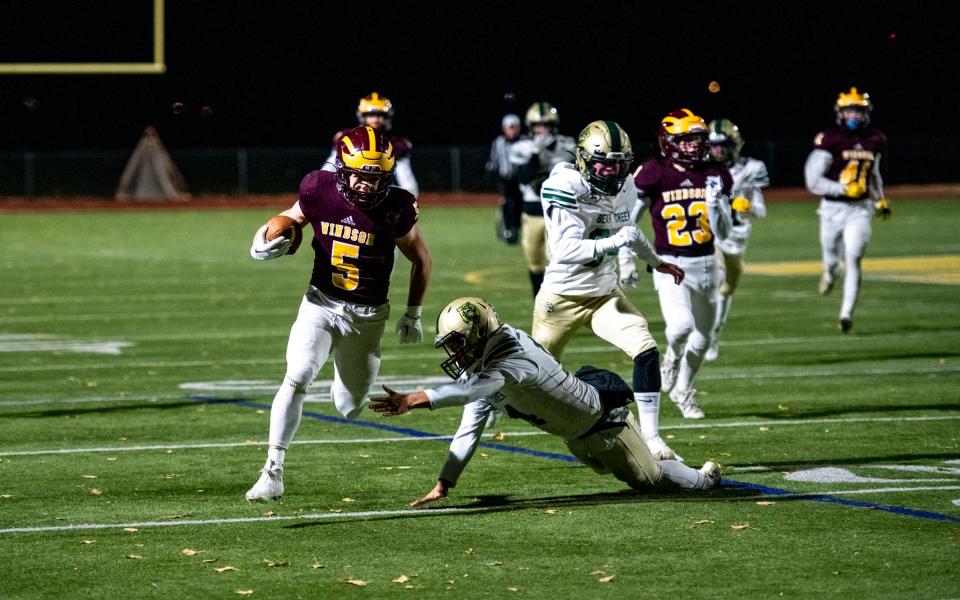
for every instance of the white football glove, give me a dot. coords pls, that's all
(714, 189)
(624, 237)
(542, 140)
(409, 327)
(264, 250)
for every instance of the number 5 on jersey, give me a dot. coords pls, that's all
(349, 276)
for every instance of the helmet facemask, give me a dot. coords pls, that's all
(604, 154)
(683, 137)
(463, 328)
(460, 354)
(853, 109)
(366, 155)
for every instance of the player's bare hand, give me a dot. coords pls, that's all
(673, 270)
(439, 492)
(396, 403)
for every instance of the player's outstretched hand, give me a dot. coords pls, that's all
(439, 492)
(396, 403)
(672, 269)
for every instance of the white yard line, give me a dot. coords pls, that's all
(507, 436)
(387, 513)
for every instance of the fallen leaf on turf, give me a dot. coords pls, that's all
(512, 589)
(598, 572)
(88, 541)
(401, 579)
(836, 572)
(357, 582)
(551, 511)
(336, 510)
(270, 563)
(782, 407)
(139, 545)
(703, 437)
(111, 458)
(244, 592)
(224, 569)
(133, 556)
(269, 513)
(209, 560)
(739, 526)
(364, 456)
(408, 587)
(468, 551)
(402, 467)
(95, 491)
(484, 455)
(6, 495)
(347, 500)
(495, 563)
(317, 565)
(89, 476)
(702, 521)
(764, 429)
(499, 436)
(606, 579)
(670, 436)
(130, 529)
(386, 468)
(190, 552)
(765, 503)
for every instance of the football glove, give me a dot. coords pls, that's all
(624, 237)
(629, 276)
(409, 327)
(855, 189)
(264, 250)
(883, 209)
(714, 189)
(740, 204)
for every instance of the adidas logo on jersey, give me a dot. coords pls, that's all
(858, 146)
(348, 220)
(686, 183)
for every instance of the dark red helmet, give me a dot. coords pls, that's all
(683, 127)
(368, 154)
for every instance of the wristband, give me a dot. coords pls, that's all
(414, 312)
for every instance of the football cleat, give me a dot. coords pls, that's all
(669, 370)
(711, 472)
(846, 324)
(825, 286)
(268, 487)
(660, 450)
(686, 401)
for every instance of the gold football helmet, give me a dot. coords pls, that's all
(603, 156)
(375, 104)
(853, 109)
(724, 141)
(679, 126)
(367, 153)
(542, 112)
(463, 327)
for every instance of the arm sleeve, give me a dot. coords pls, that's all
(644, 250)
(565, 238)
(465, 441)
(813, 174)
(876, 187)
(757, 206)
(477, 386)
(643, 203)
(719, 214)
(404, 176)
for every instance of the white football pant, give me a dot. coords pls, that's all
(844, 232)
(689, 310)
(352, 333)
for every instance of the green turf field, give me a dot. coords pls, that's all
(140, 351)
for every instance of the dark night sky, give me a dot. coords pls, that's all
(290, 73)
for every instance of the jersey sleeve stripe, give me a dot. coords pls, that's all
(561, 202)
(559, 192)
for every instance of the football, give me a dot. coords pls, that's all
(284, 226)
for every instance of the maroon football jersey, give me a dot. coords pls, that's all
(354, 248)
(401, 145)
(854, 152)
(678, 209)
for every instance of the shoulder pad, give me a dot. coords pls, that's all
(564, 186)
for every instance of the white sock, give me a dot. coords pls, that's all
(648, 413)
(684, 477)
(275, 458)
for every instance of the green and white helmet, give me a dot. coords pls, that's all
(603, 156)
(724, 141)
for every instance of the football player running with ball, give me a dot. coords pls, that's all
(358, 220)
(687, 196)
(498, 367)
(844, 168)
(587, 208)
(749, 178)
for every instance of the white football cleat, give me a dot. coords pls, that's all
(268, 487)
(493, 417)
(825, 286)
(669, 370)
(660, 450)
(686, 401)
(712, 473)
(714, 350)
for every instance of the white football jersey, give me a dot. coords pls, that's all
(518, 377)
(576, 217)
(749, 178)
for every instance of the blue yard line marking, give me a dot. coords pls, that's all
(899, 510)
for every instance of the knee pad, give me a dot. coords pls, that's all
(646, 371)
(697, 342)
(679, 332)
(346, 404)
